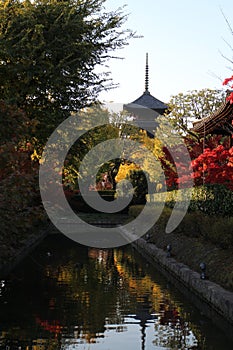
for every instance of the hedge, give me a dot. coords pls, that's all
(211, 199)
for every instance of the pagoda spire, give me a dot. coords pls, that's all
(147, 76)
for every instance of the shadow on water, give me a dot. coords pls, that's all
(68, 296)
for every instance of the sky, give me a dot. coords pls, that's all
(185, 40)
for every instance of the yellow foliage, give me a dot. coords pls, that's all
(35, 155)
(155, 170)
(124, 171)
(158, 149)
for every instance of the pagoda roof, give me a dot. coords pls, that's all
(148, 101)
(220, 121)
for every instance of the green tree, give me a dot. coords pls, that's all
(114, 127)
(183, 109)
(49, 50)
(91, 138)
(139, 182)
(13, 124)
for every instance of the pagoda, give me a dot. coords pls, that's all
(146, 108)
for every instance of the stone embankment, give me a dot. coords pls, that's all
(209, 292)
(18, 253)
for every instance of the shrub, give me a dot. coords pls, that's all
(213, 200)
(210, 199)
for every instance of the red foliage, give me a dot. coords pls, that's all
(51, 326)
(212, 160)
(211, 166)
(169, 168)
(230, 97)
(214, 166)
(226, 82)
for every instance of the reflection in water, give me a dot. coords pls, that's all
(67, 296)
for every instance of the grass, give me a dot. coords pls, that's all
(215, 229)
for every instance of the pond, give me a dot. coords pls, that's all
(67, 296)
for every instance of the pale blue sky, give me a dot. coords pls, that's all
(184, 39)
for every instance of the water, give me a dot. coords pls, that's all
(67, 296)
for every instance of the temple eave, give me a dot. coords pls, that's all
(215, 123)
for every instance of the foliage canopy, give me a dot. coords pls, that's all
(49, 50)
(185, 108)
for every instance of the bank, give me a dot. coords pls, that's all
(12, 254)
(189, 281)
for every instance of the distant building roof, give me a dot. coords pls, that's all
(146, 99)
(219, 122)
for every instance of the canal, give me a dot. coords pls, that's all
(67, 296)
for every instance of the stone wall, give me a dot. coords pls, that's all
(211, 293)
(19, 253)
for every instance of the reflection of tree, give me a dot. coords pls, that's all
(139, 282)
(171, 325)
(178, 336)
(65, 290)
(173, 330)
(89, 290)
(76, 292)
(141, 288)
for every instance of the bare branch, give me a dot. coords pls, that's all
(226, 58)
(226, 20)
(229, 45)
(214, 75)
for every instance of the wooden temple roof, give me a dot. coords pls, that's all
(219, 122)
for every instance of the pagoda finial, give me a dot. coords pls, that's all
(147, 75)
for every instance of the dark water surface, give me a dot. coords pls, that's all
(67, 296)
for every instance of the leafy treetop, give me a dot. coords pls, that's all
(49, 50)
(185, 108)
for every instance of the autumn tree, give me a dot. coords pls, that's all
(19, 192)
(49, 50)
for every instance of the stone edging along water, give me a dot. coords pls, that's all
(28, 245)
(209, 292)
